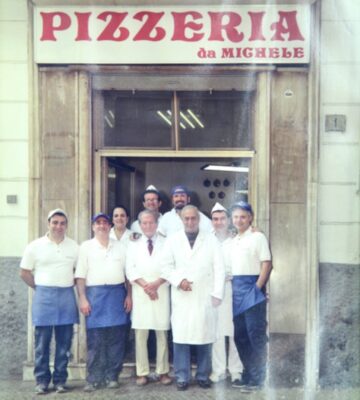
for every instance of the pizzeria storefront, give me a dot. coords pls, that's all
(219, 98)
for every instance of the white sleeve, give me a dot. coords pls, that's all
(263, 248)
(82, 266)
(169, 271)
(28, 259)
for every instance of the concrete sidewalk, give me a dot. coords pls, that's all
(20, 390)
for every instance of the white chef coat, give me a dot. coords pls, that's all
(171, 223)
(52, 264)
(147, 313)
(101, 265)
(225, 316)
(193, 316)
(125, 238)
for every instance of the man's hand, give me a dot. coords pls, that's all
(128, 303)
(85, 307)
(185, 285)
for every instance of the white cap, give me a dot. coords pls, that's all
(218, 207)
(151, 187)
(57, 211)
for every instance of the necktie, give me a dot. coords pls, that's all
(150, 246)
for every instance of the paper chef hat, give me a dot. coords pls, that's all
(218, 207)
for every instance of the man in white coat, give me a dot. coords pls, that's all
(193, 265)
(151, 298)
(171, 221)
(220, 361)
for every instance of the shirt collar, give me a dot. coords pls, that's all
(246, 233)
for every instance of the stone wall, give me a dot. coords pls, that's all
(13, 314)
(339, 325)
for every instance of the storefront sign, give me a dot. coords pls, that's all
(172, 35)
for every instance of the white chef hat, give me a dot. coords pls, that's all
(218, 207)
(151, 187)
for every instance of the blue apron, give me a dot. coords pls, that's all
(54, 305)
(245, 293)
(107, 306)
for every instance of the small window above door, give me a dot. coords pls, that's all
(174, 120)
(137, 119)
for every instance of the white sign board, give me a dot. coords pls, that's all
(241, 34)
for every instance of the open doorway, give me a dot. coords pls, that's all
(209, 180)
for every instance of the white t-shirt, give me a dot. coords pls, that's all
(247, 252)
(101, 265)
(52, 264)
(171, 223)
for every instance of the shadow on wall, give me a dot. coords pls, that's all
(13, 317)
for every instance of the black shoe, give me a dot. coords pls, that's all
(41, 388)
(181, 386)
(238, 383)
(250, 388)
(204, 383)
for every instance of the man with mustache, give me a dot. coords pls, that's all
(171, 221)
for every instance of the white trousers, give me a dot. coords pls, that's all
(219, 363)
(141, 352)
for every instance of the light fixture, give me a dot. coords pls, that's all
(164, 117)
(185, 118)
(195, 118)
(225, 168)
(108, 121)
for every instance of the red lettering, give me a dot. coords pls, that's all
(217, 26)
(287, 24)
(112, 30)
(180, 26)
(49, 26)
(298, 52)
(151, 20)
(227, 52)
(274, 52)
(248, 52)
(83, 26)
(286, 53)
(256, 25)
(260, 52)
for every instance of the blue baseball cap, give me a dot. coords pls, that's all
(100, 215)
(179, 189)
(243, 205)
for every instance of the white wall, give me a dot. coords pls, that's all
(339, 194)
(13, 127)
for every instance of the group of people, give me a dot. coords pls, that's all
(181, 271)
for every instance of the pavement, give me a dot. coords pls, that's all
(20, 390)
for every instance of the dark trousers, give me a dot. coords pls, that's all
(182, 361)
(63, 338)
(105, 353)
(251, 342)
